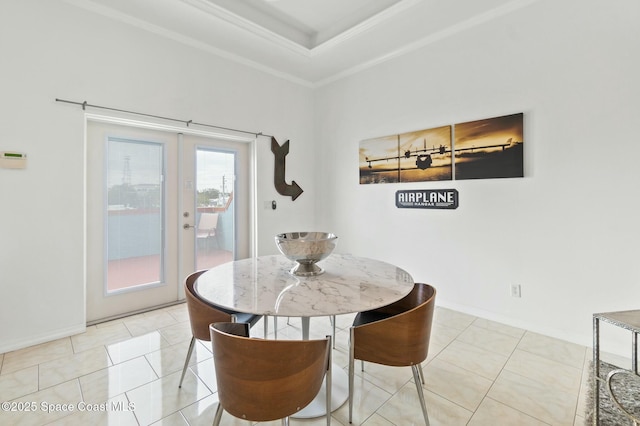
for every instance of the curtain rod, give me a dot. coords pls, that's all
(186, 122)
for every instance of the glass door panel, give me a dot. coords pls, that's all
(215, 216)
(216, 202)
(135, 214)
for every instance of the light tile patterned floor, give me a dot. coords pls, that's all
(478, 373)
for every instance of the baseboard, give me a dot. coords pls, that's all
(32, 340)
(582, 340)
(132, 313)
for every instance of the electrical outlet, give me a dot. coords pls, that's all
(515, 290)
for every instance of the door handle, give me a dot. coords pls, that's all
(187, 226)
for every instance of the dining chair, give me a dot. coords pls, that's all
(395, 335)
(263, 380)
(202, 313)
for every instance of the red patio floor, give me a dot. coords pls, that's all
(134, 271)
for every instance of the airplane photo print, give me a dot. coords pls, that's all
(490, 148)
(481, 149)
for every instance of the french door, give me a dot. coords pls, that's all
(160, 204)
(216, 208)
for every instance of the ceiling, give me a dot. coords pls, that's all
(311, 42)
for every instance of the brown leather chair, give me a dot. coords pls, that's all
(202, 313)
(395, 335)
(262, 380)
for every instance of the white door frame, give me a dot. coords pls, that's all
(226, 135)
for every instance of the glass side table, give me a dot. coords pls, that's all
(628, 320)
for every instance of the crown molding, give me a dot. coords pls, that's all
(331, 43)
(364, 26)
(248, 25)
(432, 38)
(189, 41)
(301, 51)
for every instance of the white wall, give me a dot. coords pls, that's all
(51, 49)
(568, 231)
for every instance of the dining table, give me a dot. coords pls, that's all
(265, 286)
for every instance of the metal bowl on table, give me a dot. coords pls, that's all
(306, 249)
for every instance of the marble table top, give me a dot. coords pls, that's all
(264, 286)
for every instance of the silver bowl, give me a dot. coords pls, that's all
(306, 249)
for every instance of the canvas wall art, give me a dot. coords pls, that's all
(489, 148)
(419, 156)
(481, 149)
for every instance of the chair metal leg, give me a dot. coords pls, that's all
(421, 373)
(186, 361)
(327, 385)
(416, 378)
(218, 416)
(351, 365)
(285, 421)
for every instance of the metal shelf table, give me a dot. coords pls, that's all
(628, 320)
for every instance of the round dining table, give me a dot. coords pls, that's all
(264, 286)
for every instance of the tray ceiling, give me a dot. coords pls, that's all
(307, 41)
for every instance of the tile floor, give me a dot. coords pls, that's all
(126, 372)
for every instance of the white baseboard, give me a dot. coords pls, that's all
(614, 349)
(582, 340)
(41, 338)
